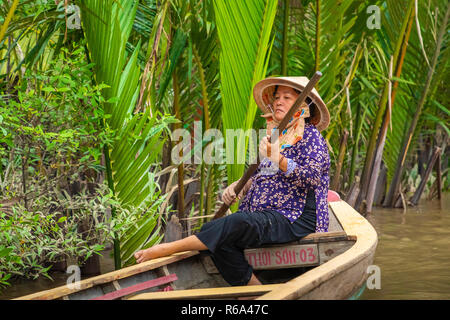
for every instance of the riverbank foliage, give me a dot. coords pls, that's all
(91, 92)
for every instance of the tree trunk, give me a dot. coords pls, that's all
(416, 197)
(176, 109)
(353, 193)
(359, 122)
(284, 52)
(343, 146)
(371, 150)
(387, 117)
(375, 174)
(91, 267)
(380, 189)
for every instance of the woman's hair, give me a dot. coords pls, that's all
(276, 89)
(313, 114)
(313, 111)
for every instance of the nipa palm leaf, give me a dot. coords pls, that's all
(244, 29)
(138, 141)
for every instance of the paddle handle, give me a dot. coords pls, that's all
(253, 167)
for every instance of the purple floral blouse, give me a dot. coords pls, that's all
(285, 192)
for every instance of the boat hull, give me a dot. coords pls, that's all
(344, 254)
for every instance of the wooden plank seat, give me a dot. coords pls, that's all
(138, 287)
(324, 237)
(208, 293)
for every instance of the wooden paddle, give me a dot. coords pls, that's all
(252, 168)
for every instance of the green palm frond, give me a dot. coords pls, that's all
(337, 39)
(8, 19)
(244, 30)
(30, 32)
(205, 51)
(139, 137)
(176, 49)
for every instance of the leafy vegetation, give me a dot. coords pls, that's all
(88, 105)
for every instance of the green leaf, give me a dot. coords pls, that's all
(179, 44)
(5, 251)
(48, 89)
(244, 30)
(113, 100)
(442, 108)
(62, 219)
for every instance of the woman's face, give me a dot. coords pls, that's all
(284, 99)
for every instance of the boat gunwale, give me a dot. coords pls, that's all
(109, 277)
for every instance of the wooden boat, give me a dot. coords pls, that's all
(331, 265)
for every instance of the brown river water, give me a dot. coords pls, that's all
(413, 255)
(413, 252)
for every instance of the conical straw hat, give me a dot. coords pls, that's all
(264, 89)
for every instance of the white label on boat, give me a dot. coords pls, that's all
(282, 257)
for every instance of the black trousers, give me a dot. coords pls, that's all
(227, 237)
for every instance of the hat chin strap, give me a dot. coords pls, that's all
(303, 112)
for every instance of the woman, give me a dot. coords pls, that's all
(285, 199)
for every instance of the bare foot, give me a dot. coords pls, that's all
(150, 253)
(166, 249)
(254, 281)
